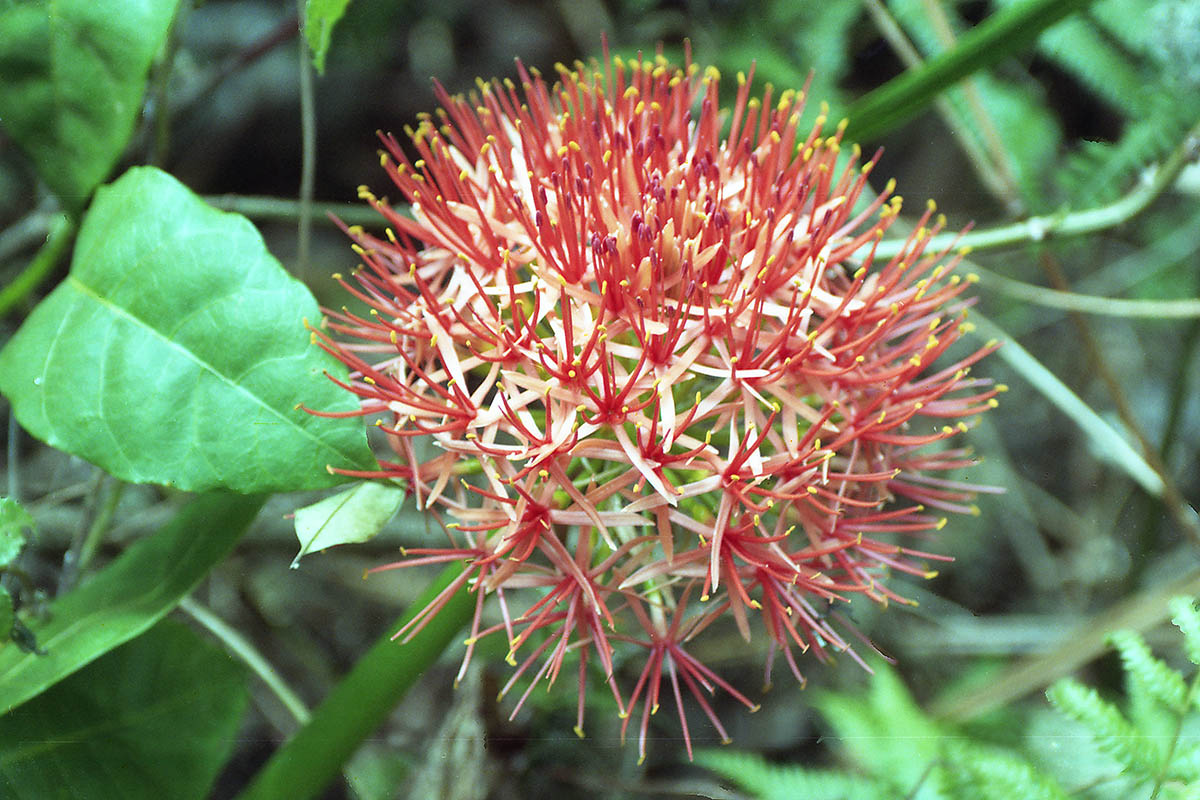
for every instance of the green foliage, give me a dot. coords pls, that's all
(773, 782)
(175, 353)
(319, 18)
(886, 734)
(803, 40)
(1149, 673)
(894, 749)
(1003, 34)
(1100, 171)
(1187, 619)
(74, 72)
(1115, 52)
(126, 597)
(994, 112)
(154, 718)
(14, 521)
(352, 515)
(974, 771)
(1115, 734)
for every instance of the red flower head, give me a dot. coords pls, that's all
(654, 372)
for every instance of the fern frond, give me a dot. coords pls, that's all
(1078, 47)
(775, 782)
(1112, 731)
(1185, 764)
(1187, 619)
(1099, 172)
(1155, 677)
(976, 772)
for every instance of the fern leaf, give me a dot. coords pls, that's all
(1113, 733)
(1185, 765)
(888, 736)
(1099, 172)
(976, 772)
(1187, 619)
(1160, 681)
(775, 782)
(1077, 46)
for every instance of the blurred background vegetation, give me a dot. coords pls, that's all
(1078, 542)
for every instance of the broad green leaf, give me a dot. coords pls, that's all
(319, 18)
(1004, 33)
(72, 75)
(154, 718)
(127, 596)
(175, 353)
(353, 515)
(14, 521)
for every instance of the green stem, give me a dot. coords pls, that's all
(1173, 745)
(1138, 613)
(160, 123)
(308, 149)
(26, 231)
(1188, 308)
(242, 648)
(1037, 229)
(360, 703)
(99, 526)
(57, 241)
(278, 209)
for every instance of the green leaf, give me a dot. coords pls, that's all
(1004, 33)
(1114, 734)
(13, 521)
(319, 18)
(978, 772)
(1081, 49)
(74, 74)
(777, 782)
(888, 735)
(175, 353)
(1152, 675)
(1188, 621)
(154, 718)
(353, 515)
(127, 596)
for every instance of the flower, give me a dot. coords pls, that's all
(655, 373)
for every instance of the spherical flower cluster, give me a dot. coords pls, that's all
(654, 374)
